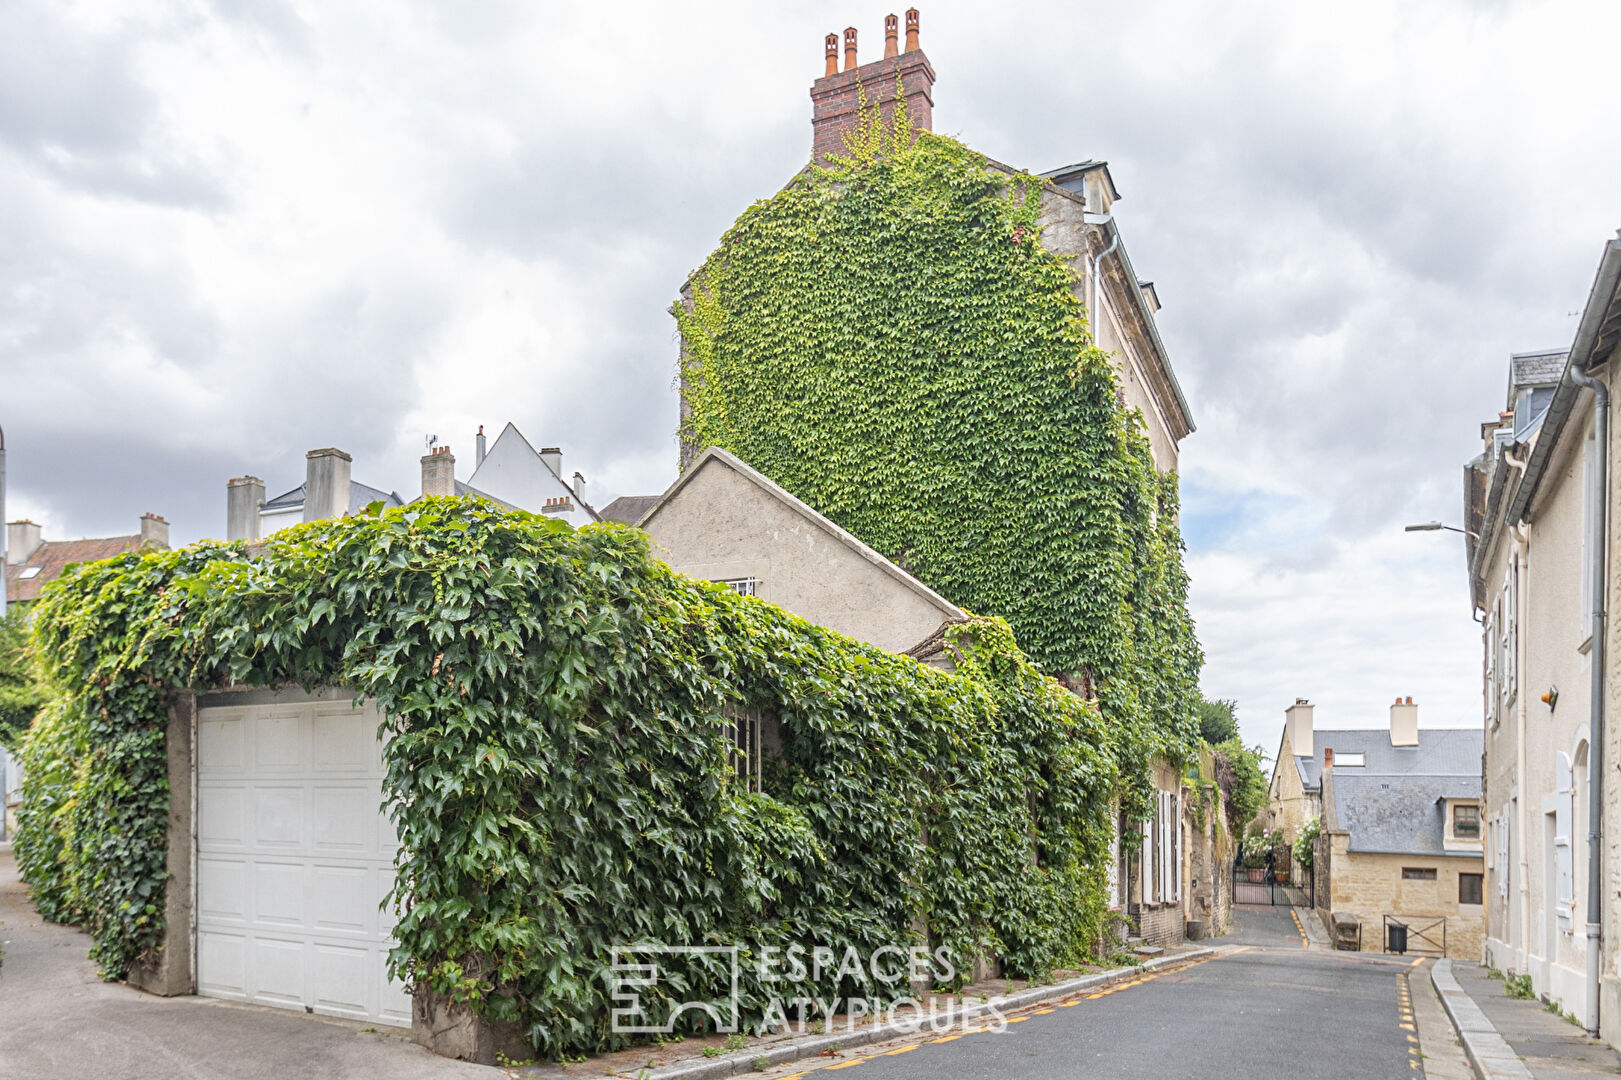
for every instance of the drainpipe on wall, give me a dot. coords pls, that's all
(1595, 738)
(1522, 883)
(1092, 312)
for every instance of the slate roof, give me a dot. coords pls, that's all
(54, 556)
(629, 509)
(360, 496)
(1443, 752)
(1400, 815)
(1537, 368)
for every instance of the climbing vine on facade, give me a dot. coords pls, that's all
(559, 760)
(889, 340)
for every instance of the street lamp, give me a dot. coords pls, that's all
(1435, 526)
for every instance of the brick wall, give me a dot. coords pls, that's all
(835, 99)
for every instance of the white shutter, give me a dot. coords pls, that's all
(1146, 862)
(1512, 634)
(1114, 863)
(1491, 664)
(1501, 826)
(1564, 804)
(1176, 848)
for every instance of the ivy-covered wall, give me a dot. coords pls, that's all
(558, 759)
(888, 339)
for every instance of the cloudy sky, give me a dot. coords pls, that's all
(233, 232)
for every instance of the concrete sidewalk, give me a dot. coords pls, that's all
(1508, 1037)
(57, 1019)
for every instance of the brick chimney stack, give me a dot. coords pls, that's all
(835, 97)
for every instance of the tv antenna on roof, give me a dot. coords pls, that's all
(432, 441)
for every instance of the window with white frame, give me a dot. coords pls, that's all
(744, 586)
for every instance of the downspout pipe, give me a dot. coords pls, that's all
(1092, 313)
(1595, 739)
(1518, 859)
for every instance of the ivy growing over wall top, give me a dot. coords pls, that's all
(888, 339)
(559, 760)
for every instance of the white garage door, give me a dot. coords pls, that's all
(294, 857)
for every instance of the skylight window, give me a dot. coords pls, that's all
(1350, 761)
(28, 572)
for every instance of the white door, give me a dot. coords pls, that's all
(294, 857)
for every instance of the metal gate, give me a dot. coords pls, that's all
(1267, 881)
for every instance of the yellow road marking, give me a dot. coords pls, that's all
(1041, 1012)
(847, 1064)
(948, 1038)
(902, 1050)
(1020, 1019)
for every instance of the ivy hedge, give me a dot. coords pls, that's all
(888, 338)
(559, 760)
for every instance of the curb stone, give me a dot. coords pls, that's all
(1489, 1053)
(742, 1062)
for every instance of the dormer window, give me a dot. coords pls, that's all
(1466, 822)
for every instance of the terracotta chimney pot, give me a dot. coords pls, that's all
(849, 48)
(832, 55)
(892, 29)
(911, 30)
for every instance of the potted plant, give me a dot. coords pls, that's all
(1255, 863)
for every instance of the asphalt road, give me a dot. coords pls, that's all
(1263, 1010)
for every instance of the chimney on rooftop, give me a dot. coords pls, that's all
(244, 495)
(154, 531)
(1404, 723)
(439, 472)
(326, 484)
(22, 540)
(478, 455)
(835, 97)
(553, 457)
(1297, 725)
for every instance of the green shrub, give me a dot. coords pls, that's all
(559, 760)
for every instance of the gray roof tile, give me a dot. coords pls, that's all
(1440, 752)
(1403, 815)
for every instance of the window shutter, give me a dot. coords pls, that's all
(1146, 863)
(1491, 664)
(1501, 827)
(1564, 804)
(1114, 863)
(1176, 847)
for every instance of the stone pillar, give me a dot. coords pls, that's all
(326, 484)
(169, 971)
(244, 495)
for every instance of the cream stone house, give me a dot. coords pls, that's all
(1400, 841)
(1539, 524)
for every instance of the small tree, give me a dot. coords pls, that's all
(1239, 773)
(1218, 720)
(20, 695)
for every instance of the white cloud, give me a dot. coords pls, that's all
(236, 231)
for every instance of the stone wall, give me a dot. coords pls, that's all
(1371, 886)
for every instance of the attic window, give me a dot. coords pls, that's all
(742, 586)
(28, 572)
(1350, 760)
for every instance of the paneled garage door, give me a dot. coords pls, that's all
(294, 857)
